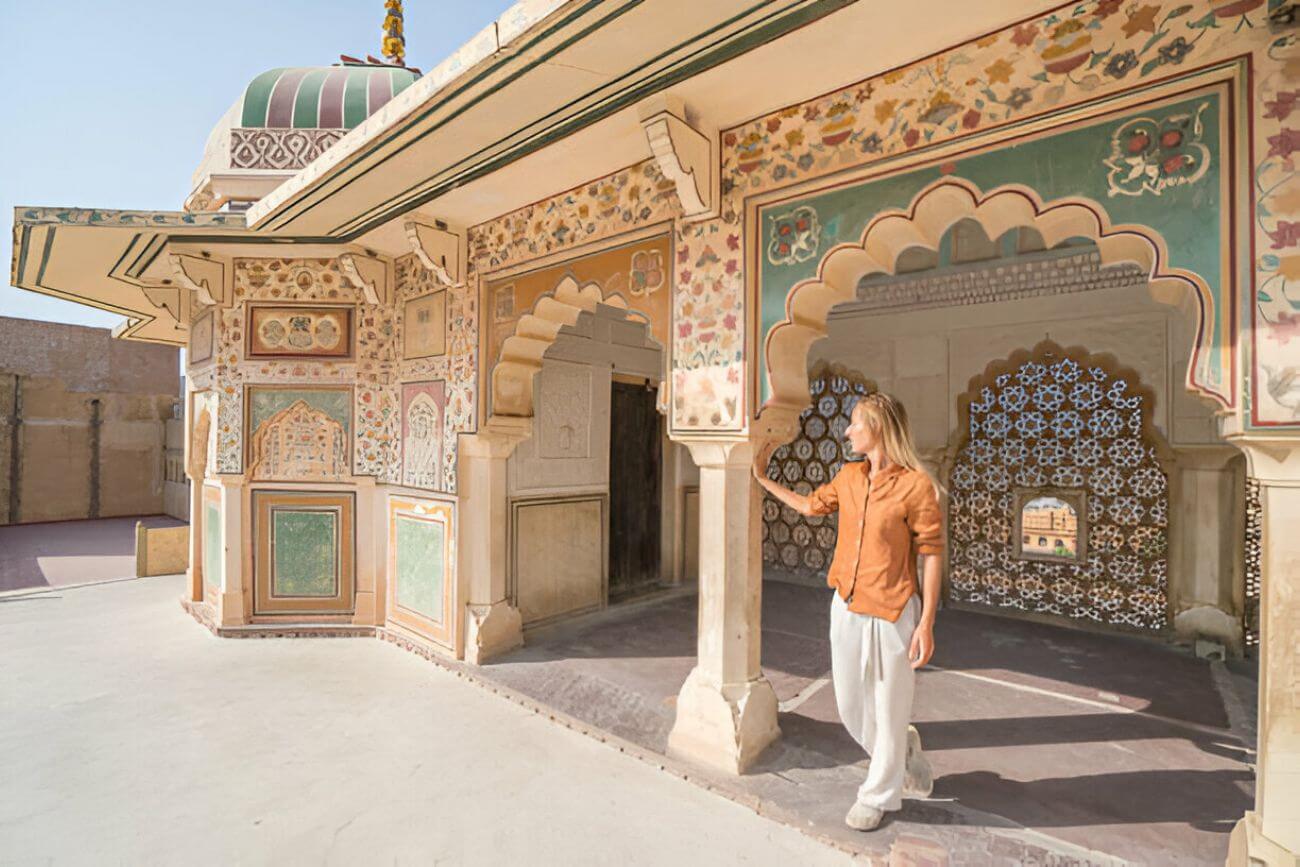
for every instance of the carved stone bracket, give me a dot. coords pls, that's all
(438, 250)
(369, 274)
(207, 276)
(685, 154)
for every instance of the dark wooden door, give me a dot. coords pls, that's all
(635, 462)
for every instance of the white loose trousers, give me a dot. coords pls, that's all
(874, 681)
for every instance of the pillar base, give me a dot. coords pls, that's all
(1248, 846)
(491, 630)
(723, 727)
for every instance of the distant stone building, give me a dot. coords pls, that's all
(83, 421)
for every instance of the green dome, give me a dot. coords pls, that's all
(321, 97)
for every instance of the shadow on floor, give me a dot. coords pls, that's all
(1013, 715)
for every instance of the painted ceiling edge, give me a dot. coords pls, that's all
(728, 48)
(747, 37)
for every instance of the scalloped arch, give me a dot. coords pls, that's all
(522, 352)
(932, 212)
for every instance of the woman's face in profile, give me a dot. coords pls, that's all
(860, 434)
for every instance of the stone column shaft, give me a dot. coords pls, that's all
(1270, 834)
(726, 710)
(492, 625)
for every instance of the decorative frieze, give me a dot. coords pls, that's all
(279, 149)
(1000, 280)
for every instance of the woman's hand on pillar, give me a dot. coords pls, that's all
(761, 460)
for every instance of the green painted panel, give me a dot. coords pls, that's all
(402, 80)
(212, 548)
(421, 576)
(304, 552)
(266, 402)
(1071, 163)
(306, 105)
(355, 97)
(257, 97)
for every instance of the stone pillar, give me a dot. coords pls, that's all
(370, 564)
(492, 625)
(726, 710)
(1206, 504)
(1270, 834)
(236, 592)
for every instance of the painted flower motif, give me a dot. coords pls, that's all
(1106, 8)
(1175, 51)
(1018, 97)
(970, 119)
(1120, 65)
(911, 137)
(773, 124)
(1285, 234)
(804, 162)
(870, 144)
(1281, 106)
(885, 109)
(794, 237)
(1000, 71)
(1148, 156)
(1141, 19)
(1023, 35)
(1286, 142)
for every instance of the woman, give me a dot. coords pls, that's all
(880, 630)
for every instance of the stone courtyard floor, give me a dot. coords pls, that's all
(132, 735)
(65, 553)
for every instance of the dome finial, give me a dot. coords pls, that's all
(394, 44)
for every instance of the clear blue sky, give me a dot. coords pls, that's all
(111, 101)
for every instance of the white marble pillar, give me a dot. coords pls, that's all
(492, 625)
(726, 710)
(1270, 834)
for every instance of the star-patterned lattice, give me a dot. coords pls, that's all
(798, 544)
(1062, 422)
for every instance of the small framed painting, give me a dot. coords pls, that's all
(1051, 524)
(424, 326)
(299, 332)
(202, 338)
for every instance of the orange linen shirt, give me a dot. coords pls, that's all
(883, 526)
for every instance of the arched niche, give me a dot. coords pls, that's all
(895, 235)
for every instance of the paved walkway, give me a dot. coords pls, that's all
(62, 553)
(132, 736)
(1047, 743)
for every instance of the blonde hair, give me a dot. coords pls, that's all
(886, 416)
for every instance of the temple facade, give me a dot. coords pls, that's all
(472, 350)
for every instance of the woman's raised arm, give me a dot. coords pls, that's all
(800, 503)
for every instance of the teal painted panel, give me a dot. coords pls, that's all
(212, 548)
(420, 566)
(266, 402)
(304, 552)
(1071, 163)
(257, 97)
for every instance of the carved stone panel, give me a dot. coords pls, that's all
(564, 412)
(423, 409)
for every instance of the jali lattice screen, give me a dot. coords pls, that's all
(1058, 420)
(804, 545)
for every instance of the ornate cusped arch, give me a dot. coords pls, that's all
(521, 353)
(932, 213)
